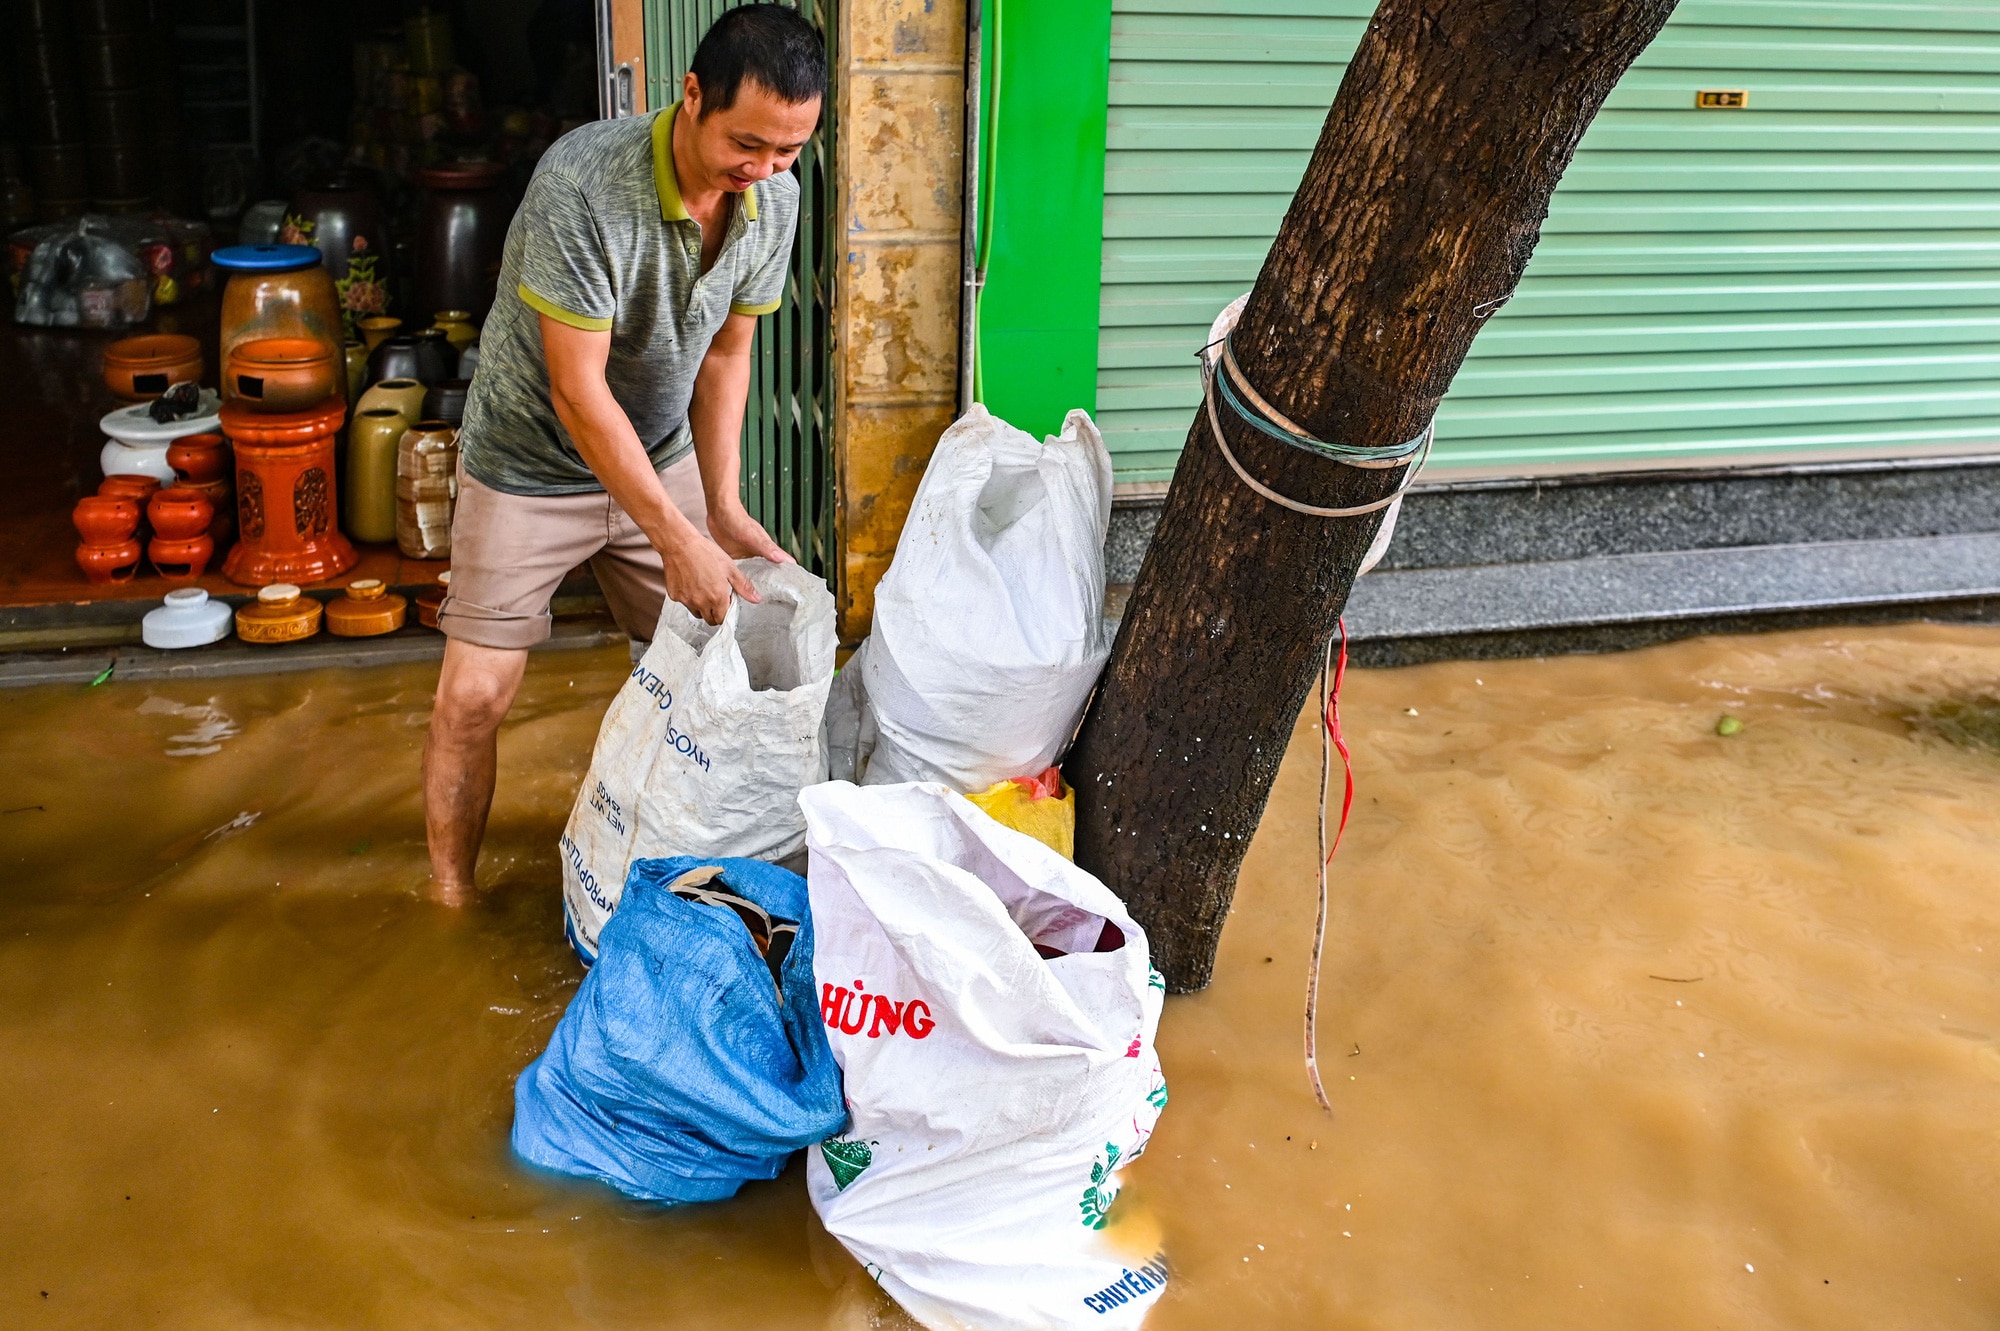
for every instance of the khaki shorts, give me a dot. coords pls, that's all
(510, 552)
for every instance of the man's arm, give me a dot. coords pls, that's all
(721, 390)
(699, 574)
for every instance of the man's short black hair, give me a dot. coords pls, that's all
(770, 44)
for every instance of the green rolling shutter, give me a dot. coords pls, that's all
(1816, 274)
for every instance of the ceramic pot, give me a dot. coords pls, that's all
(371, 473)
(368, 610)
(435, 341)
(377, 329)
(109, 563)
(431, 600)
(426, 489)
(286, 496)
(283, 374)
(279, 614)
(187, 618)
(420, 358)
(446, 402)
(458, 328)
(355, 356)
(468, 362)
(181, 561)
(139, 369)
(139, 444)
(199, 457)
(106, 519)
(346, 224)
(277, 291)
(135, 486)
(460, 235)
(221, 497)
(179, 514)
(405, 396)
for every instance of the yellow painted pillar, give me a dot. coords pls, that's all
(900, 90)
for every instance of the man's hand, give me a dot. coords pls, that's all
(743, 536)
(701, 576)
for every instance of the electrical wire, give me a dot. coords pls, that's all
(1330, 739)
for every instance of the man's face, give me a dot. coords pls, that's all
(752, 140)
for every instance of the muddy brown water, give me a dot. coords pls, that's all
(1626, 1024)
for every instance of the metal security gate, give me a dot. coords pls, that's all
(787, 428)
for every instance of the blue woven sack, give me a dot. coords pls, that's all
(692, 1058)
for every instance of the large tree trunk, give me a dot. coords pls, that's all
(1422, 203)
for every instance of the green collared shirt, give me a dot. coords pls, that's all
(602, 241)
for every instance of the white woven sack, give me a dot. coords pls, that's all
(989, 625)
(994, 1094)
(707, 745)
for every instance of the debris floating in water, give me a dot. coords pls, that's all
(1728, 725)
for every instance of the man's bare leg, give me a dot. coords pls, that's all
(461, 757)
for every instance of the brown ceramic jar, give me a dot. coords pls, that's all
(426, 489)
(106, 519)
(179, 514)
(279, 614)
(109, 563)
(199, 458)
(368, 610)
(181, 560)
(139, 369)
(283, 374)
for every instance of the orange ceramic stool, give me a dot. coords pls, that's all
(285, 500)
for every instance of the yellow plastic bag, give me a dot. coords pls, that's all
(1041, 806)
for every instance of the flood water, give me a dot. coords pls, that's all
(1626, 1024)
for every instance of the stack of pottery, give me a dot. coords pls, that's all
(181, 546)
(137, 444)
(109, 527)
(202, 464)
(277, 292)
(139, 369)
(430, 601)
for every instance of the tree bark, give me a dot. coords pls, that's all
(1417, 215)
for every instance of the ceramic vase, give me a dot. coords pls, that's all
(458, 328)
(404, 396)
(376, 330)
(371, 473)
(426, 489)
(345, 223)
